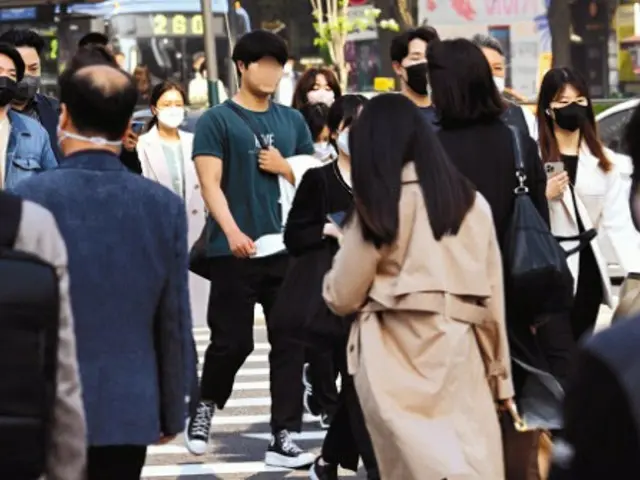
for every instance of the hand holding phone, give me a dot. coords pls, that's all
(137, 127)
(553, 168)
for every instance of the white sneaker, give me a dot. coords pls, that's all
(283, 452)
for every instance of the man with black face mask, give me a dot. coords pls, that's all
(409, 58)
(27, 99)
(24, 145)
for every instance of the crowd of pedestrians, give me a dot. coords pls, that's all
(377, 236)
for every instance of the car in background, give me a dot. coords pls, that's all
(611, 126)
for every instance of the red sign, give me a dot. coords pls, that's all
(357, 3)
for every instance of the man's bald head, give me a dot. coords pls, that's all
(98, 99)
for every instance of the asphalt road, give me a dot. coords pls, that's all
(240, 433)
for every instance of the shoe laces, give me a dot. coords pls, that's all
(201, 423)
(287, 443)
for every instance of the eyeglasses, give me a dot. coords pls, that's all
(582, 101)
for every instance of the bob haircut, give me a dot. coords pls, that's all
(463, 90)
(308, 80)
(315, 114)
(159, 90)
(389, 133)
(553, 84)
(343, 114)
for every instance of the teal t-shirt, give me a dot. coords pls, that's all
(253, 195)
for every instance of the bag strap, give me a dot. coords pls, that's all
(10, 215)
(243, 116)
(584, 238)
(522, 188)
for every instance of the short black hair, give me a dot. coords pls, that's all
(487, 41)
(23, 38)
(462, 86)
(400, 43)
(92, 55)
(100, 99)
(257, 45)
(315, 114)
(94, 38)
(11, 52)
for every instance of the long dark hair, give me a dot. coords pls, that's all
(552, 85)
(157, 92)
(308, 80)
(389, 133)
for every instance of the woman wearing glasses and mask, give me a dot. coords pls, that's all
(588, 199)
(165, 157)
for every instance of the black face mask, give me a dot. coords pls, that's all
(417, 78)
(7, 91)
(571, 117)
(27, 88)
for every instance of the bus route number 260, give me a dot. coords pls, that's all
(177, 25)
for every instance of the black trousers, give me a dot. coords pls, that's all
(322, 376)
(348, 439)
(121, 462)
(236, 286)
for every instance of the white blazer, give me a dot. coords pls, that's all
(603, 204)
(154, 167)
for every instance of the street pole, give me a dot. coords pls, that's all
(210, 52)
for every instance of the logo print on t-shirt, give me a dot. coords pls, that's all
(267, 139)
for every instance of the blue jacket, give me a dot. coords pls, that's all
(29, 150)
(126, 238)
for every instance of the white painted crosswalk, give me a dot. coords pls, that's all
(240, 432)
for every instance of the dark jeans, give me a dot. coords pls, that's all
(121, 462)
(236, 286)
(348, 439)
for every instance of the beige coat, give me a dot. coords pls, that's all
(38, 234)
(154, 167)
(428, 350)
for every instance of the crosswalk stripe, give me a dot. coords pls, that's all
(201, 348)
(251, 419)
(252, 372)
(244, 386)
(207, 469)
(248, 402)
(173, 449)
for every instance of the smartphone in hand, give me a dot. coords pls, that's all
(137, 127)
(553, 168)
(337, 218)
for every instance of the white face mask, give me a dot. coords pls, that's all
(321, 96)
(499, 81)
(171, 117)
(323, 151)
(101, 142)
(343, 142)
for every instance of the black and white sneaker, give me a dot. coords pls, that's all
(310, 404)
(283, 452)
(323, 472)
(325, 421)
(196, 434)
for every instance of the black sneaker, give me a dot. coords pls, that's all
(198, 429)
(310, 403)
(283, 452)
(323, 472)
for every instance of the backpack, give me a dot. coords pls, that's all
(29, 322)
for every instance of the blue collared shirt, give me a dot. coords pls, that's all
(28, 151)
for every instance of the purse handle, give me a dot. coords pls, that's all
(522, 188)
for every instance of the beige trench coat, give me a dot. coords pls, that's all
(428, 350)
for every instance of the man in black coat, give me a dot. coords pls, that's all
(28, 100)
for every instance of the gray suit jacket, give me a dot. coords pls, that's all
(38, 234)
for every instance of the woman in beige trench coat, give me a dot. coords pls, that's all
(419, 261)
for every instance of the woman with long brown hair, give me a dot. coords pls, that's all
(586, 194)
(316, 85)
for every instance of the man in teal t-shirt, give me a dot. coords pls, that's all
(240, 149)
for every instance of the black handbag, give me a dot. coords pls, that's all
(198, 259)
(537, 276)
